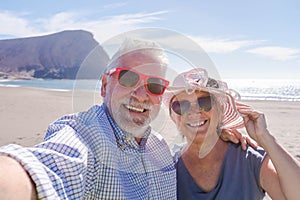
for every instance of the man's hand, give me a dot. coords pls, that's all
(235, 136)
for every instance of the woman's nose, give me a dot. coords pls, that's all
(195, 109)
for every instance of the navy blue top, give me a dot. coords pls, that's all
(238, 179)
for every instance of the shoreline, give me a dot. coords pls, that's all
(26, 112)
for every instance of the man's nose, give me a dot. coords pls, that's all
(140, 92)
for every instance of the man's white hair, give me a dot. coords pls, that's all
(143, 46)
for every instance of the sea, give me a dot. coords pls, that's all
(249, 89)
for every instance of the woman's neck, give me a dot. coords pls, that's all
(194, 151)
(206, 170)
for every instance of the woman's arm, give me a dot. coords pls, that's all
(280, 171)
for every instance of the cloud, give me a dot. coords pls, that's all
(102, 27)
(15, 24)
(223, 45)
(113, 25)
(276, 53)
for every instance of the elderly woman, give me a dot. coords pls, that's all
(208, 167)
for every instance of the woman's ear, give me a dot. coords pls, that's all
(103, 86)
(172, 115)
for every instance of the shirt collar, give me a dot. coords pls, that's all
(124, 138)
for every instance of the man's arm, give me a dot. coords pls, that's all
(235, 136)
(15, 183)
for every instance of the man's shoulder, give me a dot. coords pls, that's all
(81, 122)
(85, 117)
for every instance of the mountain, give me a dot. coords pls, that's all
(54, 56)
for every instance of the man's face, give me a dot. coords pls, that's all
(133, 108)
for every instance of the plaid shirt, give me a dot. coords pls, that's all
(87, 156)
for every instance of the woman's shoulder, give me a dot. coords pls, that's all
(252, 156)
(249, 150)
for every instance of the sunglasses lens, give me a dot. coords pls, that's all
(205, 103)
(181, 107)
(128, 78)
(156, 85)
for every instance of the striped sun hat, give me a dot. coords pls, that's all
(198, 79)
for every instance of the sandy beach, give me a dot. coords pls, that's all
(26, 112)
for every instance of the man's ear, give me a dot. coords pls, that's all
(103, 86)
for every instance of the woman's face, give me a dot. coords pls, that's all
(192, 113)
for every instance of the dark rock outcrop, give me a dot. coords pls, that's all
(55, 56)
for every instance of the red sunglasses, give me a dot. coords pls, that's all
(130, 78)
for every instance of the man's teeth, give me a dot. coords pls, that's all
(135, 109)
(197, 124)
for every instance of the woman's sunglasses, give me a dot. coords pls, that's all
(130, 78)
(184, 106)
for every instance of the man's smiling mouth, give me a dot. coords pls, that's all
(135, 109)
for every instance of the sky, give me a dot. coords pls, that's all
(257, 39)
